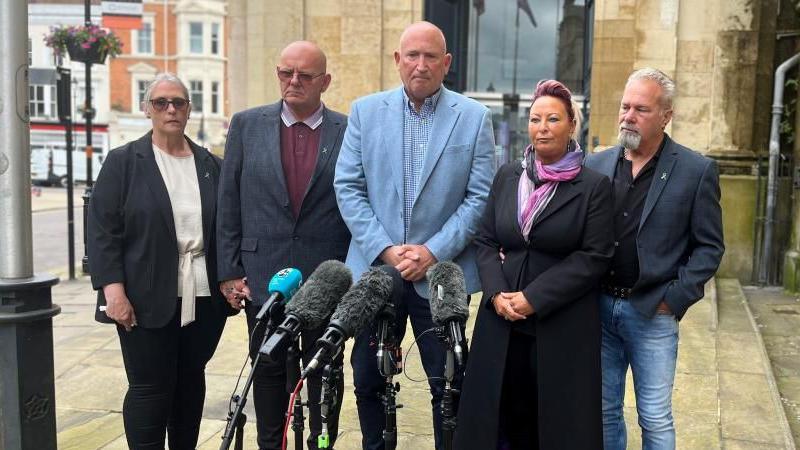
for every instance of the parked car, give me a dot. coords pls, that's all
(49, 165)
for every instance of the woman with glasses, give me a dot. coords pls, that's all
(152, 261)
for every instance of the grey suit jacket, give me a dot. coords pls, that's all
(257, 234)
(679, 241)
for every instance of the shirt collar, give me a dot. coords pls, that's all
(430, 102)
(313, 121)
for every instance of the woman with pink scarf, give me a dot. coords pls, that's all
(546, 239)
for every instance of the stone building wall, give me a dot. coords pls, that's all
(358, 36)
(720, 54)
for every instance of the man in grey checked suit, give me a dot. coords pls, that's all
(668, 233)
(277, 209)
(412, 182)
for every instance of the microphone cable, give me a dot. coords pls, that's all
(290, 413)
(241, 371)
(411, 347)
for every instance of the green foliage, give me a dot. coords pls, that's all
(789, 110)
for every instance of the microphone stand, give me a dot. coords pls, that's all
(390, 363)
(331, 374)
(237, 418)
(292, 378)
(452, 336)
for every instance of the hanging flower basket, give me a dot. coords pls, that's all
(91, 54)
(84, 44)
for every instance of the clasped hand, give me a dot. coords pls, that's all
(235, 291)
(411, 260)
(512, 306)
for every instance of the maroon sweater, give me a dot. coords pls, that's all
(299, 147)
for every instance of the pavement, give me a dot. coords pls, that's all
(778, 317)
(54, 198)
(726, 394)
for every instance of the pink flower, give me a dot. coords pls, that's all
(85, 45)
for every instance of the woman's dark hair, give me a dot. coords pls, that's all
(553, 88)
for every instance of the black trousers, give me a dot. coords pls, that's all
(271, 393)
(519, 401)
(166, 377)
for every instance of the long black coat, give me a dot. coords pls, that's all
(570, 248)
(131, 231)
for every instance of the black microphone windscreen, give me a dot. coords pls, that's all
(452, 304)
(318, 296)
(362, 302)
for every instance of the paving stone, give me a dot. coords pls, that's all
(739, 352)
(737, 444)
(695, 394)
(747, 412)
(95, 433)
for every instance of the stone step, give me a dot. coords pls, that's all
(751, 414)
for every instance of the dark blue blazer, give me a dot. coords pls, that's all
(679, 241)
(257, 234)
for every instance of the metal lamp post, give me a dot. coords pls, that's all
(88, 114)
(27, 388)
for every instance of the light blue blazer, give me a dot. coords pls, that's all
(454, 184)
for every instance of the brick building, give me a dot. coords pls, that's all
(187, 38)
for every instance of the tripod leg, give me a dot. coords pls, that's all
(239, 444)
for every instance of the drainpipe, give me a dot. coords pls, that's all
(772, 175)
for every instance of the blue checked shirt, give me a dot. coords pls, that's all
(416, 135)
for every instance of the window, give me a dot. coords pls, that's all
(42, 98)
(215, 97)
(36, 97)
(30, 52)
(144, 38)
(53, 102)
(196, 37)
(215, 39)
(557, 28)
(141, 87)
(196, 93)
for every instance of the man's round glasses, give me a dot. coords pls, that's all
(287, 75)
(161, 104)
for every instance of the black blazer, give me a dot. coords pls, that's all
(679, 242)
(257, 234)
(131, 231)
(559, 272)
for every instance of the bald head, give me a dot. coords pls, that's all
(422, 60)
(425, 30)
(302, 72)
(308, 51)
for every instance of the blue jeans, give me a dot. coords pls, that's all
(369, 385)
(650, 347)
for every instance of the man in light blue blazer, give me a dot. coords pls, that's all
(411, 182)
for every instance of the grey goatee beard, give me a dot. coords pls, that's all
(629, 140)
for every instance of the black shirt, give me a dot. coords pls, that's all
(629, 195)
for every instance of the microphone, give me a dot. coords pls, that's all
(358, 308)
(448, 298)
(281, 288)
(310, 306)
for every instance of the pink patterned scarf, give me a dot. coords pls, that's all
(532, 200)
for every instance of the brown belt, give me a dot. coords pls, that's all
(616, 291)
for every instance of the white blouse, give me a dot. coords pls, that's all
(180, 177)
